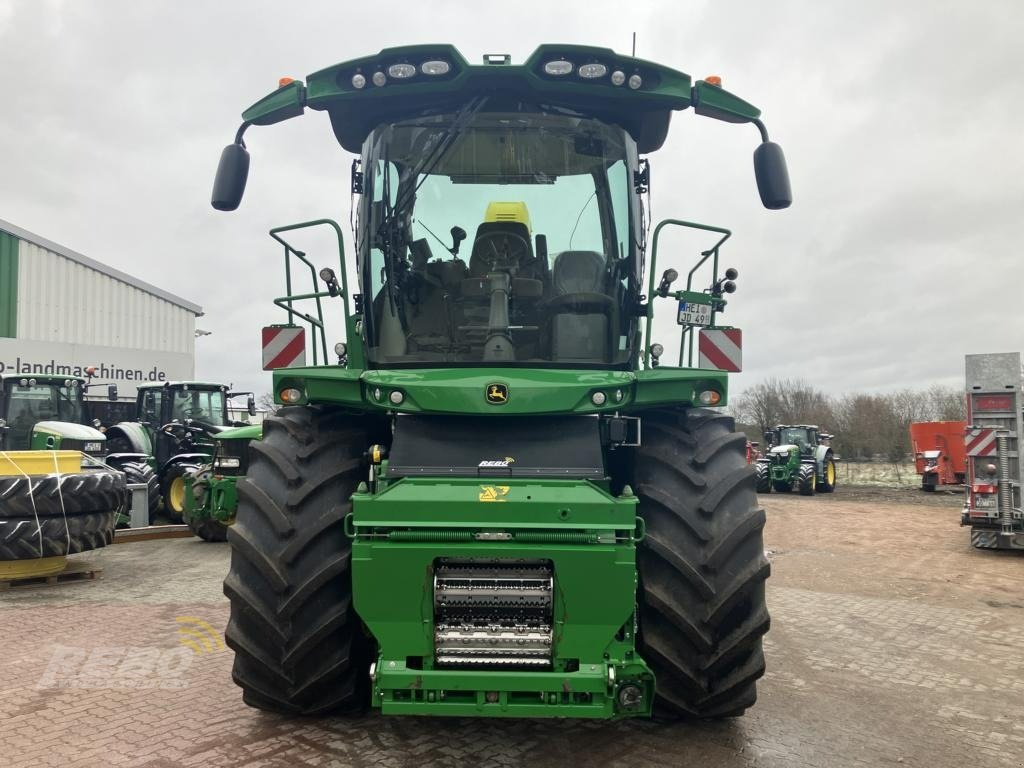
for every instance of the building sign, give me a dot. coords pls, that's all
(114, 365)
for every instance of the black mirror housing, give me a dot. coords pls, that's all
(232, 173)
(112, 392)
(772, 176)
(251, 404)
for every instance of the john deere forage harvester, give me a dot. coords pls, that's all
(494, 501)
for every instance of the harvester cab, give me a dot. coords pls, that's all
(497, 502)
(798, 456)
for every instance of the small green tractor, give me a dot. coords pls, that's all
(174, 434)
(799, 456)
(55, 513)
(492, 500)
(211, 495)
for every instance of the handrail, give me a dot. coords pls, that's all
(713, 251)
(287, 302)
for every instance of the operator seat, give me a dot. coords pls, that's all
(583, 317)
(505, 228)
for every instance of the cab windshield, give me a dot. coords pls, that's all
(29, 404)
(203, 405)
(547, 263)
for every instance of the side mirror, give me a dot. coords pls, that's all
(772, 176)
(251, 404)
(232, 173)
(112, 392)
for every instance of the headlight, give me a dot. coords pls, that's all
(709, 397)
(291, 395)
(227, 462)
(358, 81)
(618, 77)
(92, 447)
(379, 78)
(401, 71)
(558, 68)
(435, 67)
(635, 81)
(340, 349)
(592, 71)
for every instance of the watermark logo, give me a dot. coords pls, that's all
(107, 667)
(199, 635)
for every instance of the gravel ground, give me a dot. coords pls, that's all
(893, 643)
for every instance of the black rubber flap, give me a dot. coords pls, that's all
(461, 446)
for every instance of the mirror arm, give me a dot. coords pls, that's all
(241, 130)
(762, 129)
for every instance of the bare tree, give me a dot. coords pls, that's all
(266, 402)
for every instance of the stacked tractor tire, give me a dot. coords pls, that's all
(59, 514)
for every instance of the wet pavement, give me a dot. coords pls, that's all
(893, 643)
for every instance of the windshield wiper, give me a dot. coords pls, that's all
(389, 236)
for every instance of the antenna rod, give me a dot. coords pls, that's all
(634, 45)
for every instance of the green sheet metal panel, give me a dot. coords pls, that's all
(8, 285)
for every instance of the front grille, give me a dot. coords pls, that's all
(493, 613)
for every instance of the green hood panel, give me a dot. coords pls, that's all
(68, 430)
(248, 432)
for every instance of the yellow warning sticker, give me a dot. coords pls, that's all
(494, 492)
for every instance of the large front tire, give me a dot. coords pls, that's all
(702, 565)
(805, 479)
(764, 479)
(173, 489)
(298, 643)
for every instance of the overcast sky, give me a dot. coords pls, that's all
(901, 122)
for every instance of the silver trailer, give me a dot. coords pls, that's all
(992, 506)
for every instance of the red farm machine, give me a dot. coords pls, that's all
(939, 453)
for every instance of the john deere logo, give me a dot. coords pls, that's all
(497, 394)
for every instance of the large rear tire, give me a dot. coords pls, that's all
(828, 475)
(702, 565)
(299, 646)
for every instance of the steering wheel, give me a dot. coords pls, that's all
(501, 250)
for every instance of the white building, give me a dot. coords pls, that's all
(61, 312)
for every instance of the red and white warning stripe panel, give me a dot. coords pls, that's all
(284, 346)
(980, 442)
(721, 349)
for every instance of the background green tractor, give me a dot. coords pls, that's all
(54, 513)
(493, 500)
(211, 496)
(174, 435)
(798, 456)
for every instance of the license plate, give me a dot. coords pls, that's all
(986, 501)
(92, 447)
(692, 313)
